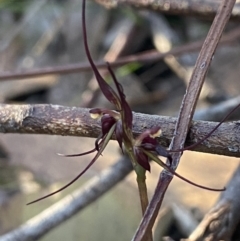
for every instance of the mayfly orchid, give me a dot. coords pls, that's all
(142, 149)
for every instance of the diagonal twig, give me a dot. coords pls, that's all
(186, 113)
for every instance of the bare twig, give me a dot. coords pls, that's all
(220, 222)
(200, 8)
(58, 213)
(73, 121)
(186, 113)
(144, 57)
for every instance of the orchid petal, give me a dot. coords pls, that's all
(107, 122)
(142, 159)
(150, 140)
(119, 134)
(161, 151)
(148, 146)
(100, 138)
(126, 112)
(166, 167)
(99, 112)
(79, 154)
(149, 134)
(105, 142)
(106, 89)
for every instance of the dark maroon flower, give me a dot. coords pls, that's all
(142, 158)
(147, 148)
(144, 148)
(108, 119)
(146, 142)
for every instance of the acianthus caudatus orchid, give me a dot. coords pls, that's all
(119, 123)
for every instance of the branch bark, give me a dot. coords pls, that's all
(73, 121)
(58, 213)
(201, 8)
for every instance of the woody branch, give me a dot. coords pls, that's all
(74, 121)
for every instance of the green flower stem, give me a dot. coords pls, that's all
(142, 187)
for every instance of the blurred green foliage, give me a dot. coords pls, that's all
(16, 6)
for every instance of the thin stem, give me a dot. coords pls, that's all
(142, 187)
(140, 172)
(141, 180)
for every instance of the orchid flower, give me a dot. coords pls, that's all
(119, 123)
